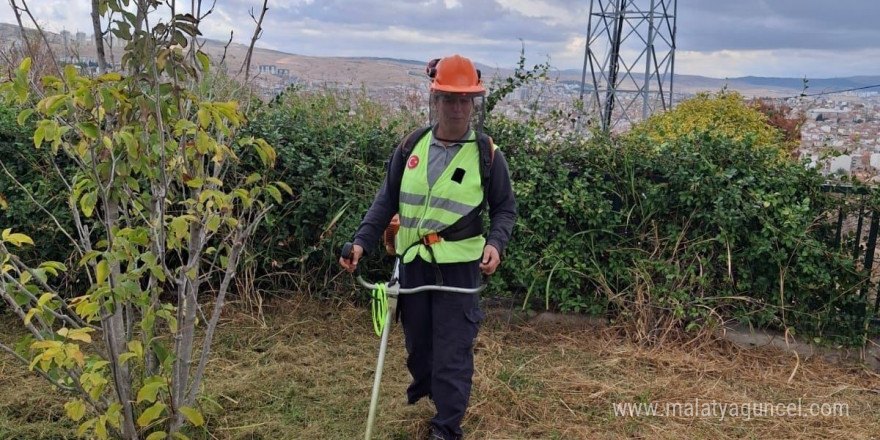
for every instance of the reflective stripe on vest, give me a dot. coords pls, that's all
(424, 210)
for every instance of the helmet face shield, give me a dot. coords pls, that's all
(476, 102)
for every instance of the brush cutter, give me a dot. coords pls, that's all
(384, 303)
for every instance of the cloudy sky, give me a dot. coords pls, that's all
(717, 38)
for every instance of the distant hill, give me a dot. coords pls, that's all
(761, 86)
(388, 71)
(392, 60)
(813, 84)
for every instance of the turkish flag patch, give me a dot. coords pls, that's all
(413, 162)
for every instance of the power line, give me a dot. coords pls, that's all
(807, 95)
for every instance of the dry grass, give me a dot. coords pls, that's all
(305, 371)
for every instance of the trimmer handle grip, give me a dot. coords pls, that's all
(346, 250)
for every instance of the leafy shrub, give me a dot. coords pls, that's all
(694, 217)
(706, 225)
(332, 147)
(25, 172)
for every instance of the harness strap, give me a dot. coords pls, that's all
(471, 225)
(438, 276)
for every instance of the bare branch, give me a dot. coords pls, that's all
(226, 48)
(238, 243)
(70, 318)
(40, 30)
(109, 40)
(21, 29)
(258, 32)
(20, 313)
(197, 12)
(37, 370)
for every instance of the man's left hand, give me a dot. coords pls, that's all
(491, 260)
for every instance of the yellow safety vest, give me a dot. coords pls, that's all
(425, 210)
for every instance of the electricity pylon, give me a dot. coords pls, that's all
(629, 59)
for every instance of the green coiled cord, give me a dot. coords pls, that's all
(379, 308)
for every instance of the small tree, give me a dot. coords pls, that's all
(158, 218)
(501, 88)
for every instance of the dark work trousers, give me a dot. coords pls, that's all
(440, 328)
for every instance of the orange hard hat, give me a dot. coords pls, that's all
(455, 74)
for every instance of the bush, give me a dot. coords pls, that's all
(706, 226)
(33, 169)
(686, 221)
(332, 147)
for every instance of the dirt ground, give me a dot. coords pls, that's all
(303, 369)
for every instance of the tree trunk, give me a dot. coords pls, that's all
(114, 335)
(99, 37)
(190, 279)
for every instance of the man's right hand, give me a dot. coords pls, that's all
(351, 263)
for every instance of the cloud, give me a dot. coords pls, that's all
(719, 38)
(488, 31)
(479, 20)
(55, 16)
(797, 63)
(708, 25)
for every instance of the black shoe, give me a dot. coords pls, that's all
(412, 400)
(435, 434)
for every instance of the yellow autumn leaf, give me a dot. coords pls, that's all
(151, 414)
(44, 298)
(17, 239)
(80, 334)
(193, 415)
(42, 345)
(101, 271)
(73, 352)
(75, 409)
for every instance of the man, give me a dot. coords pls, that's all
(439, 190)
